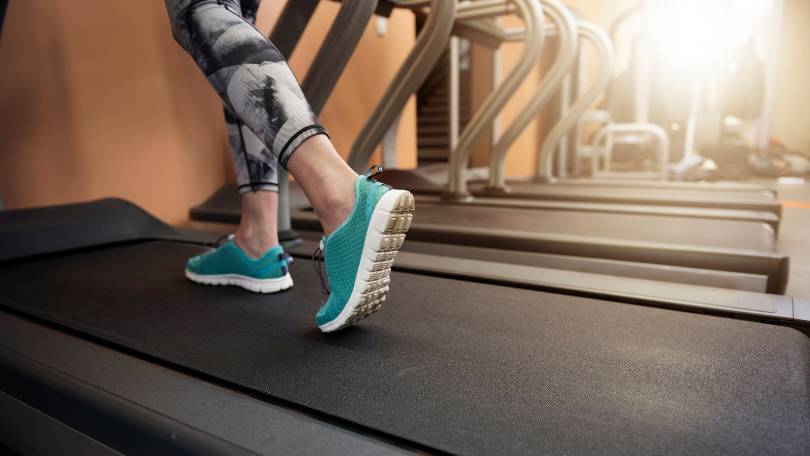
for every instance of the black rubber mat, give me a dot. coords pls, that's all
(457, 366)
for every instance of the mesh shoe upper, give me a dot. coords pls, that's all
(344, 247)
(230, 259)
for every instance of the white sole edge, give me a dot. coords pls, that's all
(390, 221)
(248, 283)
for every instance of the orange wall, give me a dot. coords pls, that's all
(98, 100)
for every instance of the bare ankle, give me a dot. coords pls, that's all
(258, 232)
(334, 210)
(326, 179)
(255, 243)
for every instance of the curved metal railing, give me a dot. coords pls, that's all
(647, 128)
(532, 14)
(566, 25)
(604, 50)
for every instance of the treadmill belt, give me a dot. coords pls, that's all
(457, 366)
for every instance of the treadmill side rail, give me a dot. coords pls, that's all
(46, 230)
(801, 309)
(650, 292)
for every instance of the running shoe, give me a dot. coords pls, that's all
(359, 254)
(230, 265)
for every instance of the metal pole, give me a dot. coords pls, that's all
(453, 91)
(771, 69)
(389, 145)
(496, 77)
(562, 147)
(691, 121)
(643, 50)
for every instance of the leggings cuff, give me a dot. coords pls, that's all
(258, 187)
(297, 139)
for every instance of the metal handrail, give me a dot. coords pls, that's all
(604, 49)
(532, 14)
(491, 32)
(429, 47)
(566, 25)
(477, 10)
(648, 128)
(333, 56)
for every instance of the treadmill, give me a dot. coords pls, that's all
(467, 357)
(108, 349)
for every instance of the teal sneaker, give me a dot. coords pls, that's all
(359, 254)
(229, 265)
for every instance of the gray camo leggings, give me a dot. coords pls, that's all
(256, 85)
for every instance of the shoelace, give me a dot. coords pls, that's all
(317, 260)
(372, 171)
(318, 257)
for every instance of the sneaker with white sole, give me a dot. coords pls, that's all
(359, 254)
(230, 265)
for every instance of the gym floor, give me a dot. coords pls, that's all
(794, 236)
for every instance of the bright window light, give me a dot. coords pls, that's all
(691, 33)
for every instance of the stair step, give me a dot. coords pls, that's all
(433, 141)
(434, 109)
(439, 112)
(441, 101)
(431, 128)
(432, 120)
(431, 161)
(434, 100)
(428, 132)
(433, 153)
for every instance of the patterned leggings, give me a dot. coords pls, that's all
(254, 81)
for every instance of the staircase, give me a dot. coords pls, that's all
(433, 113)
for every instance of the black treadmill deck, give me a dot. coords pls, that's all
(453, 365)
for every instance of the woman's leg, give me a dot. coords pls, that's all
(364, 221)
(326, 179)
(258, 183)
(258, 186)
(258, 87)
